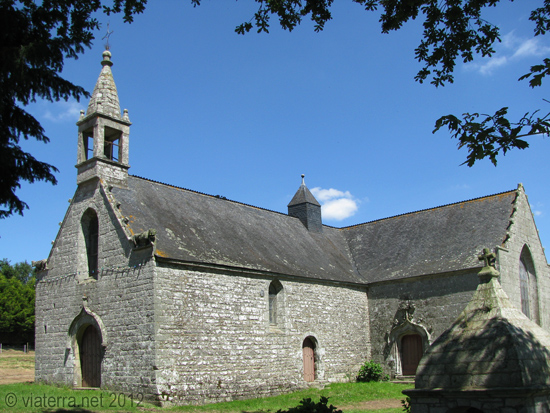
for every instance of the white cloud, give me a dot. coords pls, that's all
(538, 213)
(323, 195)
(512, 48)
(63, 111)
(492, 63)
(529, 48)
(335, 204)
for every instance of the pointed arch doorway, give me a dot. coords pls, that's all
(90, 357)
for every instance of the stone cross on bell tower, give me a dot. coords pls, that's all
(103, 134)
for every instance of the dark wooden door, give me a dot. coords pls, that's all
(411, 353)
(309, 360)
(90, 358)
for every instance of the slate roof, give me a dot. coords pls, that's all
(446, 238)
(199, 228)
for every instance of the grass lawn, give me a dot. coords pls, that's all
(350, 397)
(31, 397)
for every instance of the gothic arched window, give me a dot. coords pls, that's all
(528, 286)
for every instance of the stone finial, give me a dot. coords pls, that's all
(125, 115)
(303, 180)
(106, 59)
(488, 271)
(520, 187)
(488, 257)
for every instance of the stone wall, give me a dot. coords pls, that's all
(215, 341)
(522, 233)
(423, 305)
(119, 302)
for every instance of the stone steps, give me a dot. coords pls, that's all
(404, 380)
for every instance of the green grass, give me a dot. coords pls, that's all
(339, 394)
(32, 397)
(44, 398)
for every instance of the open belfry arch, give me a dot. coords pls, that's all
(187, 297)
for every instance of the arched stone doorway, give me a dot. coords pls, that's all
(411, 353)
(87, 341)
(90, 357)
(407, 343)
(308, 351)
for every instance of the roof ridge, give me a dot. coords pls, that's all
(212, 196)
(429, 209)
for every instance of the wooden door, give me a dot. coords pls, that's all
(309, 360)
(90, 358)
(411, 353)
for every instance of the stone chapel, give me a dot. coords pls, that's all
(186, 297)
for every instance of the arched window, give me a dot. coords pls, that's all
(528, 286)
(90, 229)
(275, 303)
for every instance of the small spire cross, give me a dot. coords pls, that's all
(488, 257)
(109, 33)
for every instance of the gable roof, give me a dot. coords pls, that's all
(442, 239)
(198, 228)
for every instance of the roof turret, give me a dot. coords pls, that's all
(305, 207)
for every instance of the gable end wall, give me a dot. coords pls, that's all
(122, 298)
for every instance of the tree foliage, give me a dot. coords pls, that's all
(21, 271)
(35, 39)
(16, 302)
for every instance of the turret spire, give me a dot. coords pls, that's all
(105, 97)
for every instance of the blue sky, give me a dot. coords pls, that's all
(244, 116)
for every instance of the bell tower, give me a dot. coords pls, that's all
(103, 134)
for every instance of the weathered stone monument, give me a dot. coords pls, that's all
(492, 359)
